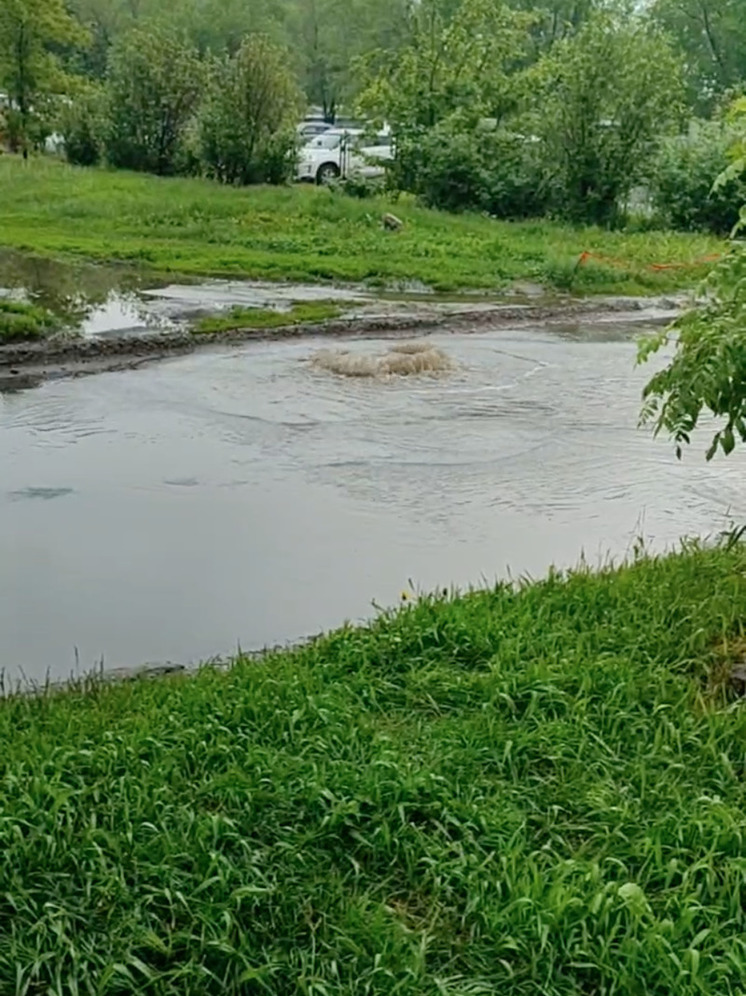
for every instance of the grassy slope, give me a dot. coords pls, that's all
(506, 793)
(194, 226)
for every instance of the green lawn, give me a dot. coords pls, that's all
(515, 793)
(193, 226)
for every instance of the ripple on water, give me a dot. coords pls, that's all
(50, 419)
(43, 494)
(183, 482)
(246, 497)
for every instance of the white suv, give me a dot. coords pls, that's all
(342, 152)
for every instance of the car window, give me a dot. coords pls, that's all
(372, 142)
(325, 141)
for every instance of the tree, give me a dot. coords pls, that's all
(30, 71)
(707, 373)
(219, 26)
(210, 25)
(463, 65)
(444, 93)
(246, 126)
(556, 19)
(712, 36)
(105, 21)
(603, 101)
(82, 123)
(329, 35)
(682, 180)
(155, 82)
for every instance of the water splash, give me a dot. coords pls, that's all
(404, 359)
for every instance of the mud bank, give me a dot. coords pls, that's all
(24, 365)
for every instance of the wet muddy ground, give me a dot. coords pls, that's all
(119, 318)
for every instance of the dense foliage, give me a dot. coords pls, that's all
(495, 170)
(154, 85)
(712, 36)
(683, 186)
(32, 73)
(707, 373)
(83, 125)
(246, 124)
(606, 96)
(509, 107)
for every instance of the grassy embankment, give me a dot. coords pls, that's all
(513, 792)
(19, 321)
(302, 312)
(192, 226)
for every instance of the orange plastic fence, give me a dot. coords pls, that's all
(712, 258)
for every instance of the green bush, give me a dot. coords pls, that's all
(357, 185)
(24, 134)
(603, 99)
(246, 125)
(518, 186)
(443, 166)
(683, 177)
(455, 168)
(155, 82)
(82, 125)
(20, 321)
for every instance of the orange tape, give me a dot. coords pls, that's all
(586, 255)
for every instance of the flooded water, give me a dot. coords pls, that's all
(117, 300)
(249, 497)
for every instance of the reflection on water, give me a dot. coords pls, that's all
(117, 300)
(45, 493)
(94, 299)
(69, 288)
(248, 497)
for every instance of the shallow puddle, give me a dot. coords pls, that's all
(121, 301)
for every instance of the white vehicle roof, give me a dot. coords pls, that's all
(330, 138)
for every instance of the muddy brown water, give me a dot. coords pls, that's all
(249, 497)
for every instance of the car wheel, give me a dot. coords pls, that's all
(327, 173)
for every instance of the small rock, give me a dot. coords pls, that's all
(157, 670)
(391, 223)
(738, 678)
(142, 671)
(528, 289)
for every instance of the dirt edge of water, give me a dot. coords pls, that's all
(24, 365)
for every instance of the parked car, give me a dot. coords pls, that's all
(311, 128)
(54, 143)
(342, 152)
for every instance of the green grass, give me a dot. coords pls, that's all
(193, 226)
(20, 321)
(534, 792)
(269, 318)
